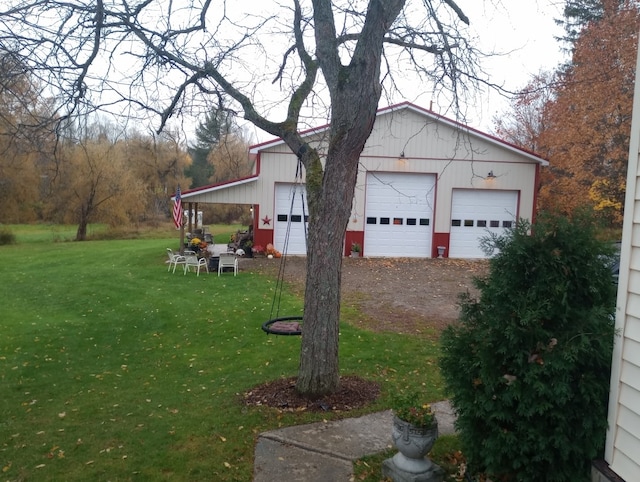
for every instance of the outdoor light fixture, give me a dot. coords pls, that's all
(491, 176)
(401, 161)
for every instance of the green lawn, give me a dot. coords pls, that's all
(111, 368)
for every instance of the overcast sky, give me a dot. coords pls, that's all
(525, 32)
(522, 35)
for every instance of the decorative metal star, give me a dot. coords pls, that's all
(266, 220)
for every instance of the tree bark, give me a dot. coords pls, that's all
(355, 91)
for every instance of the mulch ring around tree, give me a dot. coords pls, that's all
(354, 392)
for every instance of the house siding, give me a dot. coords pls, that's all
(622, 450)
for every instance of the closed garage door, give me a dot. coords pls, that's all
(399, 214)
(292, 215)
(475, 214)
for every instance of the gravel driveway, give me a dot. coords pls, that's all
(405, 295)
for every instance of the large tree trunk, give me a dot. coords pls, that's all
(355, 90)
(329, 213)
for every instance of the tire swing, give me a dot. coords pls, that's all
(286, 325)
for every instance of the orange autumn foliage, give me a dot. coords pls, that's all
(586, 132)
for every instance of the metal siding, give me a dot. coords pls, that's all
(630, 375)
(633, 305)
(636, 211)
(635, 259)
(632, 330)
(240, 194)
(631, 354)
(625, 467)
(418, 135)
(635, 235)
(634, 282)
(630, 398)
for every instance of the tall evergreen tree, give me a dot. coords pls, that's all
(576, 15)
(216, 125)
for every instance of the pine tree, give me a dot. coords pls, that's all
(216, 125)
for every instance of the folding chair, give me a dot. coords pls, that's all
(228, 260)
(174, 259)
(192, 261)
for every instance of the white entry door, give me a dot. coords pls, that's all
(475, 214)
(399, 214)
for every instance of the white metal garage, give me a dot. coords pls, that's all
(291, 210)
(476, 213)
(399, 214)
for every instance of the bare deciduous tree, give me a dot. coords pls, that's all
(168, 57)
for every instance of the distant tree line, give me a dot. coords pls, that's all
(64, 172)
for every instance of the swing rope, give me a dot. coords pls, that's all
(289, 325)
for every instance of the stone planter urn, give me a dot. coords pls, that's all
(410, 464)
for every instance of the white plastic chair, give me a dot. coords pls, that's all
(192, 261)
(175, 259)
(228, 260)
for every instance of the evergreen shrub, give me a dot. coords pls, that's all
(528, 364)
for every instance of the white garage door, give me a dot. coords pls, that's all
(291, 214)
(399, 214)
(474, 214)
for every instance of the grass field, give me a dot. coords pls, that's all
(111, 368)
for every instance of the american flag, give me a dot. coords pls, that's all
(177, 210)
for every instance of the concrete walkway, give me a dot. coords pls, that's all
(321, 452)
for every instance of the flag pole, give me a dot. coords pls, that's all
(182, 238)
(178, 217)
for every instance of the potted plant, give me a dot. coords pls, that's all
(414, 432)
(355, 250)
